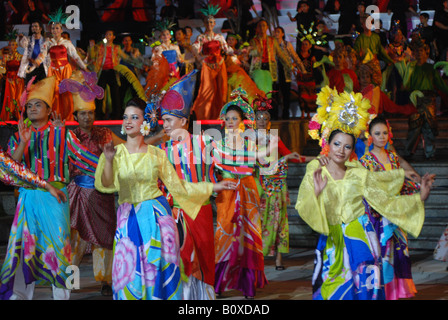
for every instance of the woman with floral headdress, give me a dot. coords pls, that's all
(397, 273)
(238, 242)
(146, 262)
(14, 85)
(334, 200)
(213, 84)
(59, 50)
(274, 196)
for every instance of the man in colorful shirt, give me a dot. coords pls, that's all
(188, 154)
(40, 235)
(92, 213)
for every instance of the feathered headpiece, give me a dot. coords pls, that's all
(239, 97)
(165, 24)
(59, 17)
(24, 96)
(210, 11)
(12, 35)
(347, 112)
(394, 29)
(83, 83)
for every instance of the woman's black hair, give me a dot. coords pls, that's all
(335, 132)
(375, 121)
(138, 103)
(283, 30)
(234, 107)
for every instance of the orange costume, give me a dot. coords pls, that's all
(212, 92)
(59, 51)
(14, 87)
(238, 77)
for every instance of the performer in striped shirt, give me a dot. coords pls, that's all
(238, 242)
(190, 155)
(39, 246)
(13, 173)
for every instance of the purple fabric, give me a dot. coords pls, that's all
(247, 280)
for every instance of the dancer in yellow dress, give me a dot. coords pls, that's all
(333, 201)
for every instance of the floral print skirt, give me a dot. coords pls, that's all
(40, 237)
(274, 223)
(146, 253)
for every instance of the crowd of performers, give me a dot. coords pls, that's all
(160, 243)
(399, 76)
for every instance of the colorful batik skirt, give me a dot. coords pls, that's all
(146, 253)
(397, 273)
(275, 228)
(238, 243)
(348, 263)
(40, 237)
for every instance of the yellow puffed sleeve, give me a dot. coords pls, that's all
(98, 173)
(341, 201)
(190, 196)
(309, 207)
(382, 192)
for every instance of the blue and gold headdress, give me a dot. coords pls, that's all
(151, 116)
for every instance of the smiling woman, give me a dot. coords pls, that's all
(146, 245)
(59, 51)
(334, 200)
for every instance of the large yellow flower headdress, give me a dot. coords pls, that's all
(347, 112)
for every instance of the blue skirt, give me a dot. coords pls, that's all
(348, 263)
(40, 237)
(146, 253)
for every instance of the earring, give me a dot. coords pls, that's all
(370, 140)
(242, 127)
(122, 131)
(353, 156)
